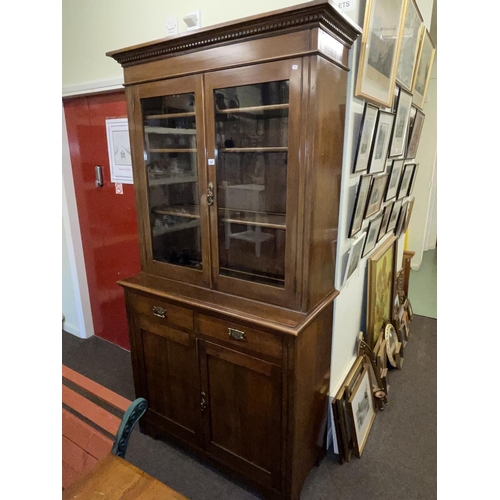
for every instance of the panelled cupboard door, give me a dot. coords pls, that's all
(168, 145)
(241, 405)
(171, 378)
(253, 141)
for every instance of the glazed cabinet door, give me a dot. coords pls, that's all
(241, 405)
(170, 379)
(253, 142)
(167, 140)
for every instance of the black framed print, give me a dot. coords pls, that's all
(415, 133)
(405, 180)
(385, 221)
(400, 129)
(365, 138)
(372, 234)
(412, 180)
(394, 178)
(380, 148)
(358, 212)
(376, 196)
(393, 219)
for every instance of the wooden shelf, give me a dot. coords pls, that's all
(254, 110)
(254, 150)
(174, 150)
(170, 115)
(163, 181)
(169, 130)
(230, 272)
(249, 218)
(188, 211)
(158, 231)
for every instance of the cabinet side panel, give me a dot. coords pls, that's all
(323, 179)
(308, 410)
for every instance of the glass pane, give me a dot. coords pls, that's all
(172, 170)
(252, 141)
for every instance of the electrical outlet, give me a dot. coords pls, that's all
(172, 26)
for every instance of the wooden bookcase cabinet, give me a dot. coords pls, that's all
(237, 136)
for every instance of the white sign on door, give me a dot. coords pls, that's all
(120, 159)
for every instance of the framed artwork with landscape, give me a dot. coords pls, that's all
(415, 132)
(393, 184)
(424, 67)
(358, 213)
(365, 138)
(380, 46)
(376, 194)
(399, 134)
(385, 123)
(372, 235)
(413, 27)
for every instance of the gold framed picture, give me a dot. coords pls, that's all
(413, 27)
(380, 45)
(380, 289)
(423, 72)
(361, 407)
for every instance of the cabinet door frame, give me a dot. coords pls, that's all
(181, 85)
(269, 479)
(291, 70)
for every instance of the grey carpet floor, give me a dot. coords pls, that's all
(399, 459)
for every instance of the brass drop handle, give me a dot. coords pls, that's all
(203, 401)
(210, 194)
(159, 311)
(237, 334)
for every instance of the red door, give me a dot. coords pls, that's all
(108, 221)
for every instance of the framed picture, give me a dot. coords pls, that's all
(412, 180)
(404, 185)
(380, 289)
(365, 138)
(423, 72)
(393, 219)
(361, 407)
(413, 27)
(371, 236)
(399, 133)
(354, 256)
(358, 212)
(380, 149)
(401, 219)
(408, 216)
(380, 46)
(376, 196)
(385, 221)
(414, 135)
(394, 178)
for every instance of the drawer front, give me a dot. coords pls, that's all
(160, 311)
(239, 335)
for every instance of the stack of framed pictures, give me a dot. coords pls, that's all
(354, 410)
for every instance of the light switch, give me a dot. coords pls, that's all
(172, 27)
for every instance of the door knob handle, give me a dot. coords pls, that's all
(98, 176)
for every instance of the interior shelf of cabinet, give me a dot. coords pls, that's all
(254, 150)
(173, 150)
(254, 110)
(170, 115)
(235, 272)
(249, 218)
(173, 180)
(169, 130)
(158, 231)
(188, 211)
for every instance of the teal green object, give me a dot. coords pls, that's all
(134, 412)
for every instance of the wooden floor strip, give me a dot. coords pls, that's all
(85, 436)
(98, 390)
(90, 410)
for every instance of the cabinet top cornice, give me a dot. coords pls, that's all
(322, 13)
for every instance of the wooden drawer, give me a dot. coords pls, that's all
(239, 335)
(160, 311)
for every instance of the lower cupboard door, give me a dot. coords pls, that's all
(171, 375)
(241, 407)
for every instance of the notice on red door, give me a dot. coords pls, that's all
(120, 159)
